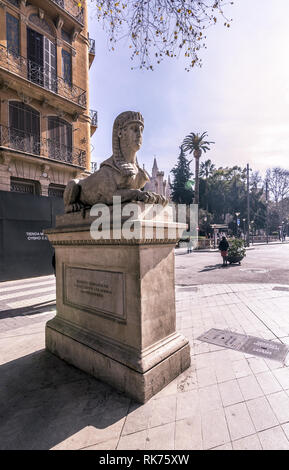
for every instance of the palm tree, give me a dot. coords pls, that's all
(207, 168)
(196, 143)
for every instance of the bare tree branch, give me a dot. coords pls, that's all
(160, 28)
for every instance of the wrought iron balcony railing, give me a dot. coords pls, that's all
(45, 77)
(71, 7)
(22, 141)
(93, 117)
(93, 167)
(91, 46)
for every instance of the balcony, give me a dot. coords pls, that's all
(41, 76)
(93, 117)
(71, 7)
(93, 167)
(25, 142)
(91, 50)
(93, 121)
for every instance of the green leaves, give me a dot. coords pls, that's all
(196, 142)
(182, 185)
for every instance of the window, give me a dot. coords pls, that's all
(12, 33)
(66, 36)
(24, 127)
(41, 63)
(59, 139)
(35, 56)
(66, 67)
(50, 74)
(20, 185)
(56, 190)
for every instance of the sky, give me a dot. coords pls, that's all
(240, 95)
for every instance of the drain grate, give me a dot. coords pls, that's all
(247, 344)
(281, 288)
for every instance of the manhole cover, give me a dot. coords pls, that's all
(224, 338)
(247, 344)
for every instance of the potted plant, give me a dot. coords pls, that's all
(236, 251)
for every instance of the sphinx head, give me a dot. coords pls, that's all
(127, 135)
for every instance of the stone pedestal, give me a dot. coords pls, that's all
(116, 315)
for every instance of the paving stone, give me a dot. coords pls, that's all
(189, 434)
(163, 411)
(261, 414)
(247, 443)
(230, 393)
(188, 404)
(214, 428)
(282, 375)
(210, 398)
(135, 441)
(161, 437)
(250, 387)
(239, 421)
(273, 439)
(280, 404)
(268, 382)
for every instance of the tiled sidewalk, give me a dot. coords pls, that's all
(226, 400)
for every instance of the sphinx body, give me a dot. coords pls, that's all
(119, 175)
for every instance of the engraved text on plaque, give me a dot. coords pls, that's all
(100, 292)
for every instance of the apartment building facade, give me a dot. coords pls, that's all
(45, 120)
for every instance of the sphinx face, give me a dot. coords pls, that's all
(131, 137)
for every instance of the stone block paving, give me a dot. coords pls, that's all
(226, 400)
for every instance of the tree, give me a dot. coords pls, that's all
(207, 168)
(181, 187)
(278, 184)
(160, 28)
(196, 143)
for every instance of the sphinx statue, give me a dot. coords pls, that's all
(119, 175)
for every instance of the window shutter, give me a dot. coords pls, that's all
(50, 61)
(12, 34)
(67, 67)
(35, 56)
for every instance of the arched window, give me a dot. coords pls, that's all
(41, 54)
(24, 127)
(59, 139)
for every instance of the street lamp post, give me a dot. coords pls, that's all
(267, 204)
(205, 220)
(237, 215)
(252, 228)
(244, 220)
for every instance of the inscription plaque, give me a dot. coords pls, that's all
(246, 343)
(100, 292)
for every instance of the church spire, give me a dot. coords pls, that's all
(155, 167)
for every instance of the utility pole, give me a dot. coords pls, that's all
(248, 205)
(267, 202)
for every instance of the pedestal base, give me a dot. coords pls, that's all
(82, 350)
(116, 316)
